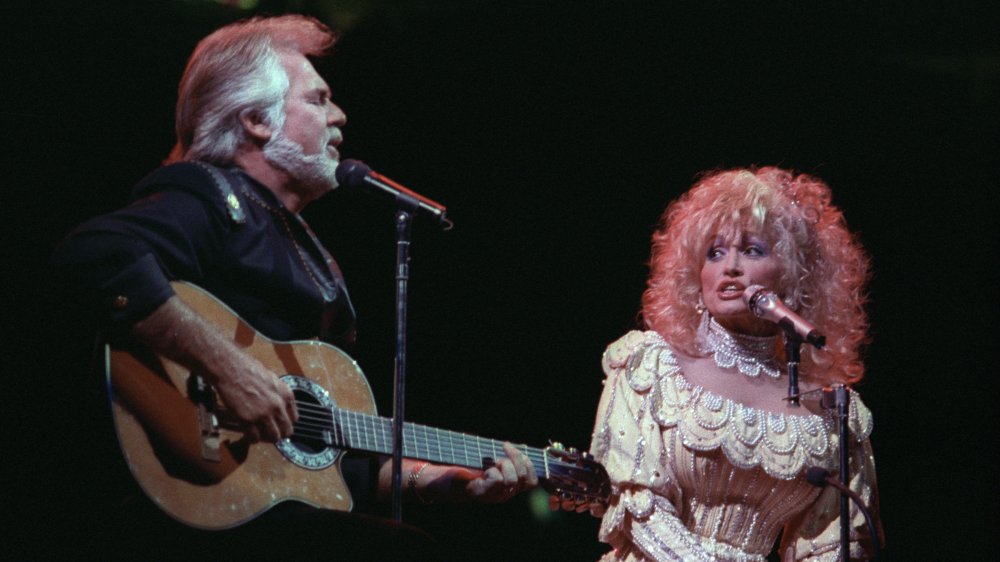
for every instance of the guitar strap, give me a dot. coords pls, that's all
(191, 175)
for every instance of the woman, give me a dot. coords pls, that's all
(706, 459)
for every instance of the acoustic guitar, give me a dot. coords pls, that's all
(204, 472)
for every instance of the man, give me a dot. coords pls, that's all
(257, 138)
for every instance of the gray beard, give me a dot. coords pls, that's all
(315, 172)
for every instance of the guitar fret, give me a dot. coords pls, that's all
(440, 454)
(384, 430)
(359, 426)
(427, 443)
(410, 445)
(352, 430)
(371, 431)
(465, 449)
(420, 431)
(346, 421)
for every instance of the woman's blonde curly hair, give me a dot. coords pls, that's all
(824, 268)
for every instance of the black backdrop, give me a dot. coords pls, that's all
(555, 133)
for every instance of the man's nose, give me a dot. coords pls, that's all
(335, 117)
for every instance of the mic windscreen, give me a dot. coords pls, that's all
(351, 173)
(750, 296)
(817, 475)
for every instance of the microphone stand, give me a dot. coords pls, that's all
(839, 398)
(404, 222)
(841, 401)
(355, 174)
(793, 344)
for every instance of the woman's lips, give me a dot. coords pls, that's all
(730, 290)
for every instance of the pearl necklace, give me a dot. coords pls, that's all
(751, 355)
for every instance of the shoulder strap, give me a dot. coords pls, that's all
(192, 175)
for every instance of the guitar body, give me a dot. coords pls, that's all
(198, 471)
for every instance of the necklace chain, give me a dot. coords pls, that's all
(302, 257)
(750, 355)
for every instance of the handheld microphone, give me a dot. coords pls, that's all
(765, 304)
(355, 174)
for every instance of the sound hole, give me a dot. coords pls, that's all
(311, 446)
(315, 422)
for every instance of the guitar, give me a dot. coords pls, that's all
(207, 474)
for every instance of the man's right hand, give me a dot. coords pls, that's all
(254, 396)
(257, 398)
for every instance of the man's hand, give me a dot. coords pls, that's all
(431, 483)
(502, 481)
(257, 398)
(252, 394)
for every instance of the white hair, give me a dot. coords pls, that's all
(234, 72)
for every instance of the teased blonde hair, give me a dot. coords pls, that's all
(824, 268)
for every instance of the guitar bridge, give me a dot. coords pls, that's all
(204, 398)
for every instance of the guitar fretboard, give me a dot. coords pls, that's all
(348, 429)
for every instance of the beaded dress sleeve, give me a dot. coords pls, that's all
(627, 442)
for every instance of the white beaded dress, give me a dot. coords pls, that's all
(696, 476)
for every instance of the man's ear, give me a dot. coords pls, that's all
(254, 125)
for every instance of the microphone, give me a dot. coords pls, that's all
(820, 477)
(355, 174)
(765, 304)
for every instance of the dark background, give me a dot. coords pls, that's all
(556, 133)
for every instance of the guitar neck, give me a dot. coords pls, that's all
(363, 432)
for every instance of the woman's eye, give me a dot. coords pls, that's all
(715, 253)
(754, 250)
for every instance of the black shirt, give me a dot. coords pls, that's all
(219, 229)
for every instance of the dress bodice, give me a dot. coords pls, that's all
(689, 465)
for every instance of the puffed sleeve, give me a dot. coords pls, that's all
(628, 441)
(816, 535)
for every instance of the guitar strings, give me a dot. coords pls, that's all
(318, 422)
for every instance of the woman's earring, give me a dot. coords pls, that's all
(700, 307)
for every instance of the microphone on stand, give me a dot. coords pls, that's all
(765, 304)
(821, 477)
(355, 174)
